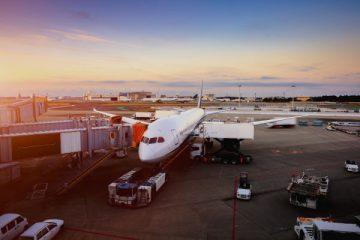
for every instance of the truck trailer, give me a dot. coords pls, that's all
(136, 192)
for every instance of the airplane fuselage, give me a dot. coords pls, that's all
(165, 135)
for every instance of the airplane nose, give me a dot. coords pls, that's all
(148, 154)
(145, 153)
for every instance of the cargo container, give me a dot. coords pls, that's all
(303, 123)
(317, 123)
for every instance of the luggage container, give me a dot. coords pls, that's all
(317, 123)
(303, 123)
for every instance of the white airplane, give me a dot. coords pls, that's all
(159, 99)
(165, 135)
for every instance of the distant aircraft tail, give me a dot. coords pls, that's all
(200, 95)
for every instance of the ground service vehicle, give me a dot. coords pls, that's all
(231, 158)
(136, 193)
(351, 166)
(244, 189)
(143, 115)
(197, 151)
(318, 229)
(307, 191)
(44, 230)
(12, 225)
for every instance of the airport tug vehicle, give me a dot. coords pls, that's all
(307, 191)
(244, 189)
(136, 188)
(199, 152)
(351, 166)
(325, 228)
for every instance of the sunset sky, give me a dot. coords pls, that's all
(69, 47)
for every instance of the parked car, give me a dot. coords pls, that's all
(351, 166)
(12, 225)
(44, 230)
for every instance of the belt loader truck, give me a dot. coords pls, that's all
(136, 193)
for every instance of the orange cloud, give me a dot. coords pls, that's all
(78, 35)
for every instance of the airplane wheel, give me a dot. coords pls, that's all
(301, 237)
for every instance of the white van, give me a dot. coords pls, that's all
(12, 225)
(44, 230)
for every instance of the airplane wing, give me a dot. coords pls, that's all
(255, 123)
(123, 119)
(289, 115)
(283, 113)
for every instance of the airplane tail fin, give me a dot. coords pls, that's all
(200, 95)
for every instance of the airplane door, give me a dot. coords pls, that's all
(176, 139)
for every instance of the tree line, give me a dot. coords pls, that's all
(324, 98)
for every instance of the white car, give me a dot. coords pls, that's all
(351, 166)
(12, 225)
(44, 230)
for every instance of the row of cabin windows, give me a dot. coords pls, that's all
(152, 140)
(11, 225)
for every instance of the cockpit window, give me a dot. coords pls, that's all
(152, 140)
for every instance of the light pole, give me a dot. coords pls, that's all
(239, 94)
(292, 103)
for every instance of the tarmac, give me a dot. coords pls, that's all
(197, 202)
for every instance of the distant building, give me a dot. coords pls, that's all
(140, 95)
(302, 98)
(123, 94)
(208, 97)
(102, 97)
(87, 96)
